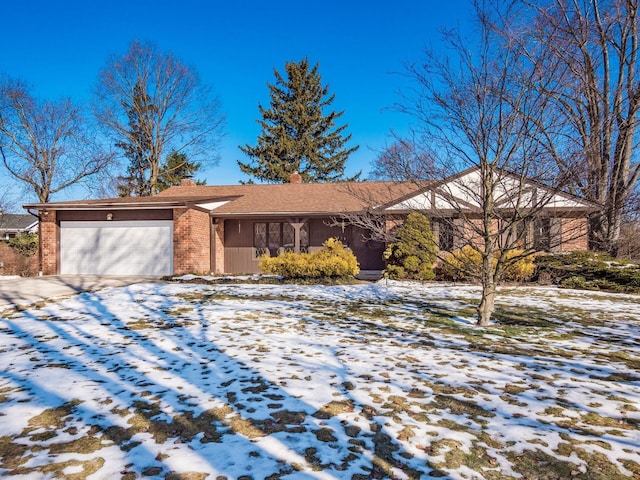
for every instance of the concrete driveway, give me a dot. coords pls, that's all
(26, 291)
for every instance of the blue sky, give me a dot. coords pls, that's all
(60, 46)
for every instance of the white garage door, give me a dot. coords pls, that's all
(117, 248)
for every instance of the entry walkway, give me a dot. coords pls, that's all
(369, 275)
(26, 291)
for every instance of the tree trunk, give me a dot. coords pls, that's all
(615, 224)
(604, 231)
(487, 303)
(597, 232)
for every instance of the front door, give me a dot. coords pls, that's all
(368, 252)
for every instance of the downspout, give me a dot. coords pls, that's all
(37, 215)
(212, 244)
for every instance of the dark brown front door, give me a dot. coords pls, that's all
(368, 252)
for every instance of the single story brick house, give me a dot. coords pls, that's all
(225, 229)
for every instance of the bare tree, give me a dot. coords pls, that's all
(404, 160)
(46, 144)
(589, 50)
(478, 107)
(151, 103)
(5, 200)
(477, 112)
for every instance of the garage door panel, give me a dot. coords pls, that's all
(117, 248)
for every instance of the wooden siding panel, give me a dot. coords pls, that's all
(320, 232)
(238, 233)
(240, 260)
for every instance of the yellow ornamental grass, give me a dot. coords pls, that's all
(522, 269)
(466, 264)
(460, 265)
(333, 261)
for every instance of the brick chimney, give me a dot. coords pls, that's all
(295, 177)
(188, 182)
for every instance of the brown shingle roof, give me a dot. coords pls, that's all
(261, 199)
(291, 198)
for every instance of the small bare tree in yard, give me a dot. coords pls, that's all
(151, 104)
(405, 161)
(589, 50)
(44, 144)
(478, 112)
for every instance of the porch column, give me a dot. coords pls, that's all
(217, 245)
(297, 224)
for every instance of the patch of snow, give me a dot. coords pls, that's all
(249, 352)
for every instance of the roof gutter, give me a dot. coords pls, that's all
(110, 206)
(281, 214)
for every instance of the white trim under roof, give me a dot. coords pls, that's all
(211, 206)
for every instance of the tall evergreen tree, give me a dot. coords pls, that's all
(137, 147)
(176, 167)
(297, 134)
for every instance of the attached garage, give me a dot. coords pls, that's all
(116, 247)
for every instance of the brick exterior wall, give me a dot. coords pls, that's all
(191, 241)
(575, 234)
(218, 253)
(12, 263)
(50, 232)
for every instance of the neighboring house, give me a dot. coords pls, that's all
(225, 229)
(12, 224)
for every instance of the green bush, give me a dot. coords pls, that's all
(414, 252)
(26, 244)
(590, 271)
(465, 264)
(333, 261)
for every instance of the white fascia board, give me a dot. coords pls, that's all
(421, 201)
(211, 206)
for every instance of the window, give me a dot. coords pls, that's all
(304, 238)
(274, 238)
(524, 230)
(288, 237)
(445, 235)
(260, 239)
(542, 234)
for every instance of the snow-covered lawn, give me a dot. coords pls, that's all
(194, 381)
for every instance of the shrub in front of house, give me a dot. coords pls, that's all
(590, 271)
(26, 246)
(333, 261)
(465, 265)
(414, 252)
(520, 268)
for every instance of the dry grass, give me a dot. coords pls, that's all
(438, 397)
